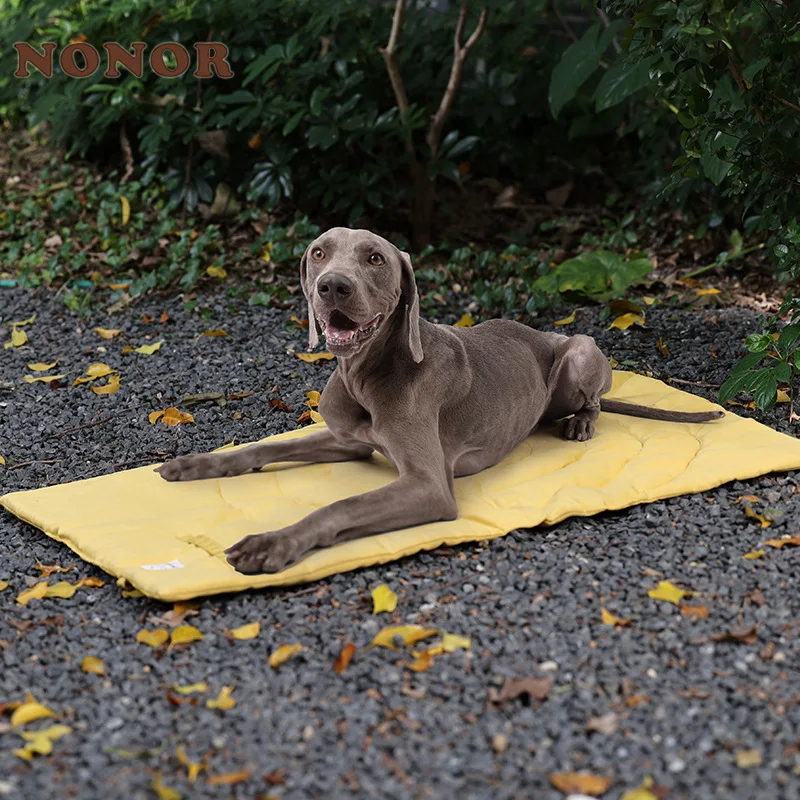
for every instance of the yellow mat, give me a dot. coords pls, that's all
(167, 538)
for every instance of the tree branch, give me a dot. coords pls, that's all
(390, 59)
(460, 53)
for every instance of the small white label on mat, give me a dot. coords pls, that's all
(174, 564)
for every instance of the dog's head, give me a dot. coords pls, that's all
(354, 281)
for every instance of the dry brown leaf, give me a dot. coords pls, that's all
(580, 783)
(528, 689)
(750, 498)
(662, 347)
(746, 636)
(213, 334)
(47, 570)
(342, 662)
(693, 612)
(170, 416)
(276, 402)
(606, 724)
(422, 661)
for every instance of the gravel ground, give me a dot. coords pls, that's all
(681, 703)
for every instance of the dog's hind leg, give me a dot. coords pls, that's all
(579, 377)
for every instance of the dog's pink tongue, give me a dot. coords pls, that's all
(340, 334)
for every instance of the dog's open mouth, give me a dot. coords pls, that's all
(341, 331)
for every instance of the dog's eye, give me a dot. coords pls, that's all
(317, 254)
(377, 260)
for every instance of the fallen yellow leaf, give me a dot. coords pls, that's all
(18, 338)
(232, 778)
(422, 661)
(3, 585)
(765, 523)
(669, 592)
(267, 254)
(93, 665)
(170, 416)
(790, 541)
(315, 416)
(309, 358)
(192, 688)
(466, 321)
(184, 634)
(383, 599)
(566, 321)
(41, 366)
(751, 498)
(648, 301)
(112, 387)
(126, 209)
(745, 759)
(148, 349)
(94, 371)
(216, 272)
(662, 347)
(249, 631)
(408, 634)
(783, 397)
(214, 333)
(703, 292)
(642, 792)
(62, 589)
(154, 638)
(340, 665)
(193, 767)
(283, 654)
(42, 378)
(36, 592)
(313, 399)
(580, 782)
(754, 554)
(2, 460)
(41, 742)
(452, 642)
(30, 711)
(164, 792)
(254, 142)
(23, 322)
(106, 333)
(223, 701)
(624, 321)
(609, 619)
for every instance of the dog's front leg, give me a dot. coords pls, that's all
(315, 447)
(418, 496)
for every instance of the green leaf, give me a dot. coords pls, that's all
(765, 388)
(293, 122)
(621, 81)
(577, 64)
(758, 342)
(750, 71)
(714, 167)
(789, 335)
(782, 372)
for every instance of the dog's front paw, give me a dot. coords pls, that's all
(197, 467)
(578, 428)
(262, 552)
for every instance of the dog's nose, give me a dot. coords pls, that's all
(334, 286)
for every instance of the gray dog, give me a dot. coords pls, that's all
(438, 402)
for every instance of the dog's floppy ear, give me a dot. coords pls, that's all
(313, 336)
(408, 287)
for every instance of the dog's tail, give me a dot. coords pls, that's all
(634, 410)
